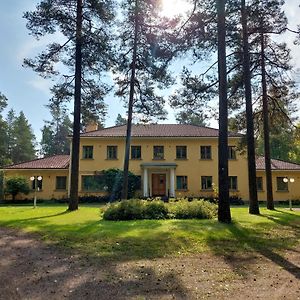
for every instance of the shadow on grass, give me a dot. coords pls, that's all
(260, 241)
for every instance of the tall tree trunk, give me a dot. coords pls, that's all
(253, 201)
(73, 203)
(130, 106)
(224, 206)
(270, 202)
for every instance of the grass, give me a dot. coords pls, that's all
(85, 232)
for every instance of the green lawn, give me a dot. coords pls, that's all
(86, 232)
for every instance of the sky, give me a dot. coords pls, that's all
(29, 92)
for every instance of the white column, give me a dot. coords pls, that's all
(145, 182)
(172, 182)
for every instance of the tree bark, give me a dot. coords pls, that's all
(224, 206)
(253, 200)
(270, 202)
(130, 106)
(73, 203)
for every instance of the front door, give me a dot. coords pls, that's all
(158, 184)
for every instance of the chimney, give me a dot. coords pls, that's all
(91, 127)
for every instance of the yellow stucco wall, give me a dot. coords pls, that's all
(48, 190)
(193, 167)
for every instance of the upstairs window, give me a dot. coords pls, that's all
(87, 152)
(61, 182)
(181, 182)
(136, 152)
(205, 152)
(112, 152)
(206, 182)
(282, 185)
(181, 152)
(158, 152)
(231, 152)
(232, 183)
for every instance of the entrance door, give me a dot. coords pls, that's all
(158, 184)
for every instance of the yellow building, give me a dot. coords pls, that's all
(172, 160)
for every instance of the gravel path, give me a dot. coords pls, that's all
(31, 269)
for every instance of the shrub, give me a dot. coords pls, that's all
(16, 185)
(157, 209)
(196, 209)
(125, 210)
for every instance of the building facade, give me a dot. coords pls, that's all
(172, 160)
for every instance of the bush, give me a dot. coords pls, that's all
(16, 185)
(196, 209)
(157, 209)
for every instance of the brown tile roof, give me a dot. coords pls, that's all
(158, 130)
(276, 164)
(52, 162)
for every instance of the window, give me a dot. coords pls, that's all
(112, 152)
(136, 152)
(61, 182)
(205, 152)
(181, 152)
(93, 183)
(206, 182)
(232, 182)
(181, 182)
(158, 152)
(281, 185)
(259, 183)
(231, 152)
(87, 152)
(39, 182)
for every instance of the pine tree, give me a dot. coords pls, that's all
(142, 64)
(23, 145)
(120, 120)
(55, 132)
(4, 159)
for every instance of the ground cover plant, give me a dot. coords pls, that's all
(85, 232)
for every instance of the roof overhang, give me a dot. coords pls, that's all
(159, 165)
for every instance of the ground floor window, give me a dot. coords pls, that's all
(61, 182)
(259, 183)
(39, 180)
(181, 182)
(93, 183)
(206, 182)
(282, 186)
(233, 183)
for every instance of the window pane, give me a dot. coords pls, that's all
(61, 182)
(205, 152)
(181, 182)
(93, 183)
(259, 183)
(281, 185)
(233, 182)
(181, 152)
(206, 182)
(112, 152)
(136, 152)
(231, 152)
(87, 152)
(158, 152)
(39, 183)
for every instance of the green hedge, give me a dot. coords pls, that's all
(157, 209)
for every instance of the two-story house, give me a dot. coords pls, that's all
(172, 160)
